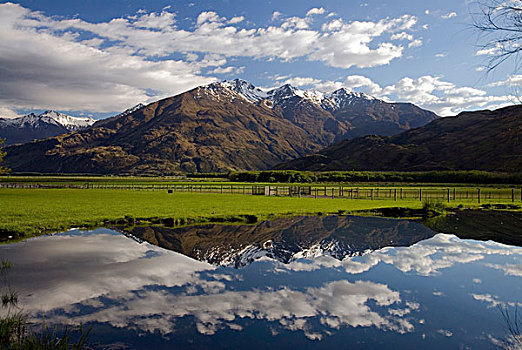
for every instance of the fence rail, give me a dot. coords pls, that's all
(347, 192)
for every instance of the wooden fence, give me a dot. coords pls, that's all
(347, 192)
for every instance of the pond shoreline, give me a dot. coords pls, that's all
(476, 223)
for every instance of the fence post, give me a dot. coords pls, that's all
(395, 195)
(513, 195)
(479, 195)
(448, 195)
(372, 193)
(420, 194)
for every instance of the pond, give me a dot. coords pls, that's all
(303, 282)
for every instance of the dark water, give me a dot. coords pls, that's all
(309, 282)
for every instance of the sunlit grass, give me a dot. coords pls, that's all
(27, 212)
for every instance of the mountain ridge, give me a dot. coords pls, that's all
(229, 125)
(47, 124)
(479, 140)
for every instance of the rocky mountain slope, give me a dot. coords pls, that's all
(217, 127)
(47, 124)
(482, 140)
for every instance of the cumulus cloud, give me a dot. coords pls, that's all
(509, 269)
(493, 300)
(415, 43)
(315, 11)
(228, 70)
(449, 15)
(237, 19)
(402, 36)
(73, 64)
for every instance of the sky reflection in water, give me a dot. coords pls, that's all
(441, 292)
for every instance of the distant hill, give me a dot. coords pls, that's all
(482, 140)
(223, 126)
(31, 127)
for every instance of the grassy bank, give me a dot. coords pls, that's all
(28, 212)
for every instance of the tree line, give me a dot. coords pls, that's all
(293, 176)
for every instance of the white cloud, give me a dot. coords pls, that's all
(45, 63)
(228, 70)
(6, 112)
(441, 55)
(276, 15)
(509, 269)
(449, 15)
(487, 51)
(494, 301)
(415, 43)
(402, 36)
(208, 16)
(512, 80)
(315, 11)
(235, 20)
(43, 70)
(440, 96)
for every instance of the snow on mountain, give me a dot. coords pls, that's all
(237, 87)
(246, 89)
(32, 126)
(48, 117)
(70, 123)
(287, 91)
(342, 97)
(130, 110)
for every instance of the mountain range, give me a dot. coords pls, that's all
(31, 127)
(229, 125)
(481, 140)
(285, 239)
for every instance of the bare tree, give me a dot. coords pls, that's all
(500, 23)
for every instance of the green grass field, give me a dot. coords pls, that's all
(28, 212)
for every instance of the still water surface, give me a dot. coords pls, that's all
(306, 282)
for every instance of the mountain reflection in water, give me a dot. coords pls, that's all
(285, 239)
(329, 283)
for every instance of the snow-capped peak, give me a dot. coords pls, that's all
(50, 117)
(330, 101)
(71, 123)
(287, 91)
(342, 97)
(243, 88)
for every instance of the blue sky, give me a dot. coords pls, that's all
(101, 57)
